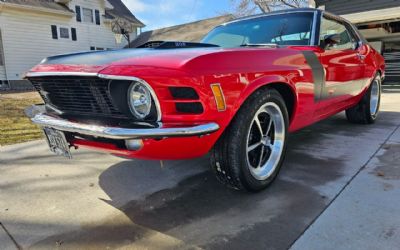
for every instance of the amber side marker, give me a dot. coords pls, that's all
(218, 96)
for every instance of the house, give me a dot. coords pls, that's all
(379, 22)
(189, 32)
(31, 30)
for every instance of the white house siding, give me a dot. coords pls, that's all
(27, 36)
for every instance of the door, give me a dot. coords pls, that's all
(343, 66)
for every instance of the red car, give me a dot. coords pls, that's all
(237, 94)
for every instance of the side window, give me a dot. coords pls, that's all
(330, 27)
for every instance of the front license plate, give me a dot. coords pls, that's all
(57, 142)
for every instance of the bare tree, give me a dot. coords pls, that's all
(249, 7)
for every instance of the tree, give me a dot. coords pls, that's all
(250, 7)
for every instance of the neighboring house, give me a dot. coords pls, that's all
(379, 22)
(189, 32)
(31, 30)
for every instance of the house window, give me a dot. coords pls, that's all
(87, 15)
(64, 33)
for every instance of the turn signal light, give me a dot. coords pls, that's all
(218, 96)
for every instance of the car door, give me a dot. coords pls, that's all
(343, 66)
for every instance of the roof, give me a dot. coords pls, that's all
(47, 4)
(189, 32)
(120, 10)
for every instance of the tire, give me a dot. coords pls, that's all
(366, 111)
(236, 159)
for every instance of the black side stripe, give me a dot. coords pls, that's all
(317, 72)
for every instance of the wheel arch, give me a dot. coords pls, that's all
(286, 90)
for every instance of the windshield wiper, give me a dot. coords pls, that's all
(259, 45)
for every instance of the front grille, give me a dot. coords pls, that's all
(88, 96)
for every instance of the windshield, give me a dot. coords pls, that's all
(280, 29)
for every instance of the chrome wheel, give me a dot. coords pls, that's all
(375, 96)
(265, 141)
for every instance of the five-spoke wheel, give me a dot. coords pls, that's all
(250, 152)
(265, 141)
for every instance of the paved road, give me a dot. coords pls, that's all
(338, 189)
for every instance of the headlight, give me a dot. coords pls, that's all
(139, 99)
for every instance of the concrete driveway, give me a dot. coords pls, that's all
(338, 189)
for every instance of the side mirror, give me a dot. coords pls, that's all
(331, 40)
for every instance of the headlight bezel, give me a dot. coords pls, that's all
(155, 110)
(142, 92)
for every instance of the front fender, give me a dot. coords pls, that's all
(258, 84)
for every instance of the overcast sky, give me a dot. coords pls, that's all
(163, 13)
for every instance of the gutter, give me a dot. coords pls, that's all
(4, 6)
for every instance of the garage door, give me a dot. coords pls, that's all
(392, 66)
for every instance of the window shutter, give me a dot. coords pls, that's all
(73, 34)
(97, 15)
(78, 13)
(54, 31)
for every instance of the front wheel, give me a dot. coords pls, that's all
(366, 111)
(251, 151)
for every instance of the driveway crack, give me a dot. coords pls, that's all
(11, 237)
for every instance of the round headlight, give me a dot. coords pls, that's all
(139, 99)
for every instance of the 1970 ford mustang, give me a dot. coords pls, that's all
(237, 94)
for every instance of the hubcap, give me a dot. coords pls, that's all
(265, 141)
(374, 99)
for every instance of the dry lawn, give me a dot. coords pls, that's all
(15, 127)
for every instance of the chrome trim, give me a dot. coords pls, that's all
(103, 76)
(132, 78)
(38, 117)
(274, 13)
(41, 74)
(314, 30)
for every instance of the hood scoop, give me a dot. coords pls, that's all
(175, 45)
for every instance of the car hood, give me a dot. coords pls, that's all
(195, 61)
(99, 60)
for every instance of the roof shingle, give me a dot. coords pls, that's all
(189, 32)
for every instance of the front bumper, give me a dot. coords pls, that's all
(38, 116)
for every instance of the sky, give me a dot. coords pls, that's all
(164, 13)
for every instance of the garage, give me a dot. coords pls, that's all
(378, 21)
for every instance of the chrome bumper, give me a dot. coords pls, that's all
(39, 117)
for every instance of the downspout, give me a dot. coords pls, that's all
(2, 46)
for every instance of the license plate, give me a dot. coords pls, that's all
(57, 142)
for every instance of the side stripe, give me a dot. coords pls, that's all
(317, 72)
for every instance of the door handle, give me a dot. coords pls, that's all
(361, 57)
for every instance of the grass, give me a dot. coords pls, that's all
(15, 127)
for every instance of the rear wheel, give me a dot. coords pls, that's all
(250, 152)
(366, 111)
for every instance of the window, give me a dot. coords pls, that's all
(1, 52)
(99, 48)
(330, 27)
(64, 33)
(78, 13)
(87, 15)
(282, 29)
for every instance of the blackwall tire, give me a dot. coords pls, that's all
(251, 151)
(366, 111)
